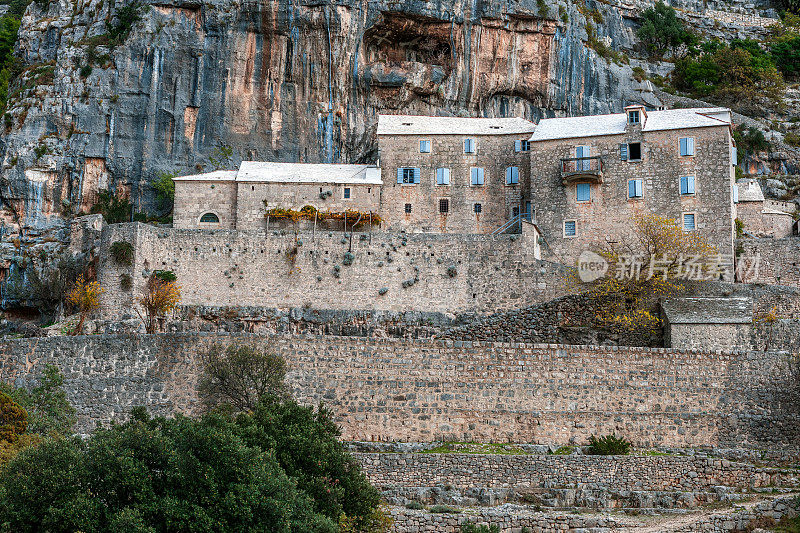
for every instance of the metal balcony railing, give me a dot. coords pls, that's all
(582, 168)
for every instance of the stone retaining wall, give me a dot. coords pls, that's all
(611, 473)
(426, 390)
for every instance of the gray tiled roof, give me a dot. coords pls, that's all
(271, 172)
(708, 310)
(422, 125)
(614, 124)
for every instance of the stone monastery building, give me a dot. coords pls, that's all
(576, 180)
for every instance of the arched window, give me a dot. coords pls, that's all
(210, 217)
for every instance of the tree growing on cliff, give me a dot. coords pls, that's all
(240, 376)
(85, 297)
(662, 31)
(160, 295)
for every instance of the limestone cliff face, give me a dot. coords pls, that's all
(286, 80)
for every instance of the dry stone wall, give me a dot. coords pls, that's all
(779, 262)
(330, 270)
(425, 390)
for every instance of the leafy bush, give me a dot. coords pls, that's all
(165, 275)
(125, 282)
(122, 24)
(662, 31)
(792, 138)
(609, 445)
(164, 187)
(415, 506)
(49, 412)
(739, 75)
(240, 376)
(749, 139)
(122, 253)
(155, 475)
(113, 209)
(444, 509)
(786, 55)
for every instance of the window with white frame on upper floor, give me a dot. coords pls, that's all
(522, 146)
(689, 222)
(635, 188)
(570, 228)
(346, 193)
(687, 145)
(442, 176)
(408, 175)
(425, 147)
(476, 175)
(633, 117)
(687, 185)
(512, 175)
(469, 146)
(583, 192)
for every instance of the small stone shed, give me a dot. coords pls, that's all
(708, 323)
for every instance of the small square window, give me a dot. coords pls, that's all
(346, 193)
(408, 208)
(634, 151)
(584, 192)
(633, 117)
(687, 146)
(469, 146)
(444, 205)
(425, 147)
(522, 146)
(570, 228)
(442, 176)
(687, 184)
(478, 208)
(514, 212)
(688, 221)
(635, 188)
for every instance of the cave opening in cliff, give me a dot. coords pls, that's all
(399, 39)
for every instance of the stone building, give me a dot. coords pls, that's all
(590, 175)
(707, 323)
(761, 217)
(452, 175)
(241, 199)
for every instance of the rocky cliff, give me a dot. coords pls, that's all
(290, 80)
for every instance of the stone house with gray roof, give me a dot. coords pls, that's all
(591, 175)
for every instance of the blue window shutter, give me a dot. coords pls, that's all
(690, 146)
(623, 152)
(467, 146)
(684, 185)
(584, 192)
(480, 176)
(439, 176)
(690, 180)
(734, 156)
(735, 193)
(399, 175)
(517, 146)
(639, 188)
(509, 173)
(447, 176)
(416, 175)
(683, 145)
(631, 189)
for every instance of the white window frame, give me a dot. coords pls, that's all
(691, 185)
(473, 148)
(689, 146)
(634, 113)
(635, 181)
(694, 221)
(425, 143)
(472, 173)
(577, 189)
(575, 228)
(445, 176)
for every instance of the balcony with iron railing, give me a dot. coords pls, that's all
(582, 169)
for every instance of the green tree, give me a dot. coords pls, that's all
(164, 188)
(786, 54)
(662, 31)
(241, 376)
(307, 446)
(154, 475)
(49, 412)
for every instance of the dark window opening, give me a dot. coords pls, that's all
(408, 208)
(478, 208)
(209, 218)
(444, 205)
(635, 151)
(346, 192)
